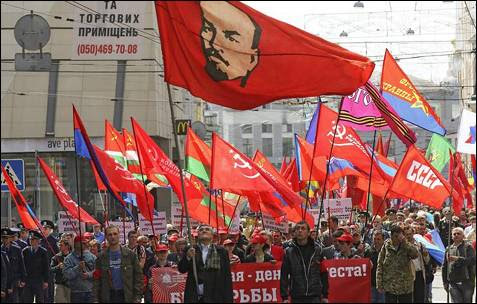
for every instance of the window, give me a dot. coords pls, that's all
(266, 128)
(267, 147)
(248, 146)
(287, 146)
(287, 128)
(247, 129)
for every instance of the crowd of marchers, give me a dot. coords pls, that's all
(95, 267)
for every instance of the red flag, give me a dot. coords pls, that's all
(379, 145)
(358, 196)
(198, 156)
(63, 197)
(466, 186)
(130, 150)
(232, 171)
(113, 140)
(199, 207)
(28, 220)
(417, 179)
(347, 144)
(230, 54)
(248, 176)
(293, 212)
(291, 175)
(123, 181)
(284, 165)
(97, 178)
(338, 168)
(379, 206)
(454, 181)
(388, 145)
(154, 160)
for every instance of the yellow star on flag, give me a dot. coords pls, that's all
(419, 103)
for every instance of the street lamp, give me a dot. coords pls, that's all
(358, 4)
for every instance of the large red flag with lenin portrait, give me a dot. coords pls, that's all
(417, 179)
(227, 53)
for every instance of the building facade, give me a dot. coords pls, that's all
(36, 106)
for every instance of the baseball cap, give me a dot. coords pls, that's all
(258, 239)
(345, 238)
(161, 247)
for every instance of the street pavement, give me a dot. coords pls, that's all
(439, 295)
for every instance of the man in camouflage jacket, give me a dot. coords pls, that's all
(394, 273)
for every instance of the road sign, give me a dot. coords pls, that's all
(16, 170)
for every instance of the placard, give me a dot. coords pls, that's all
(159, 221)
(68, 224)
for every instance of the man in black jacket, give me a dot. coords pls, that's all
(458, 270)
(16, 271)
(300, 272)
(213, 271)
(37, 269)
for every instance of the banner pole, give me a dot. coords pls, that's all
(78, 195)
(312, 165)
(210, 203)
(143, 182)
(37, 184)
(176, 139)
(451, 206)
(223, 206)
(216, 194)
(233, 214)
(323, 191)
(369, 182)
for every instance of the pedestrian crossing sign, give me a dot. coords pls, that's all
(15, 168)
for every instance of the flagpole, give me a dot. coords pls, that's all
(104, 207)
(312, 165)
(216, 194)
(327, 163)
(78, 195)
(233, 214)
(182, 220)
(370, 178)
(37, 186)
(379, 208)
(223, 206)
(143, 184)
(261, 214)
(210, 202)
(176, 139)
(124, 226)
(451, 205)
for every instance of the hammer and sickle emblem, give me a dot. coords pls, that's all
(63, 192)
(124, 172)
(242, 164)
(340, 131)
